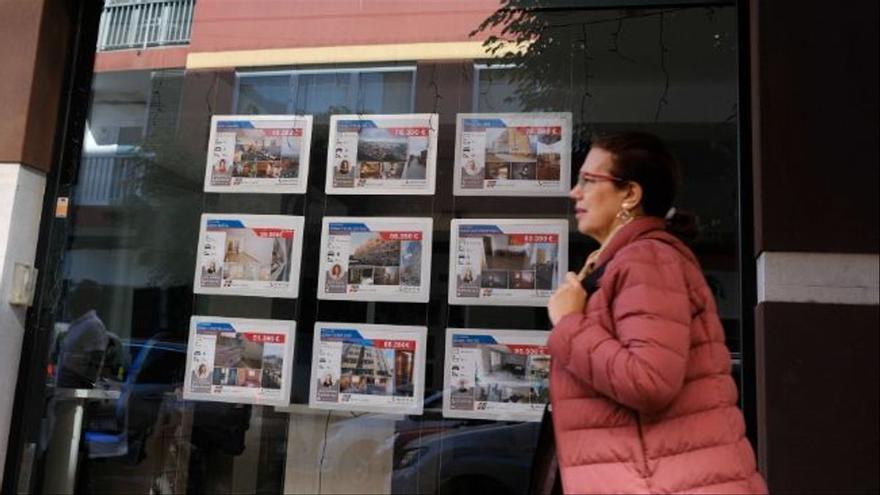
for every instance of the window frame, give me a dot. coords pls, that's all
(354, 74)
(479, 67)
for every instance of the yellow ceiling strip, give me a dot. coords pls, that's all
(343, 54)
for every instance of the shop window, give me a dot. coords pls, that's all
(129, 250)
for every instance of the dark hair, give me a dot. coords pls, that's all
(643, 158)
(84, 297)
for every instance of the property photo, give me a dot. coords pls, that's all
(371, 371)
(251, 257)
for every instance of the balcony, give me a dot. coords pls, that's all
(138, 24)
(109, 179)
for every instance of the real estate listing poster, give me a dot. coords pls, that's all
(375, 259)
(239, 360)
(382, 154)
(506, 261)
(502, 375)
(258, 154)
(249, 255)
(513, 154)
(373, 368)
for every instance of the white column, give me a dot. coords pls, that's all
(21, 203)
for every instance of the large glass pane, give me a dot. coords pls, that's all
(119, 313)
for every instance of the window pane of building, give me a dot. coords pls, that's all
(385, 92)
(263, 94)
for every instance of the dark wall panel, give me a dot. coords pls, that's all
(34, 34)
(19, 28)
(815, 126)
(818, 397)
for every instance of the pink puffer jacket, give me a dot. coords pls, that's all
(643, 399)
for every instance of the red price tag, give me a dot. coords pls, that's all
(408, 131)
(283, 132)
(528, 350)
(401, 345)
(265, 338)
(272, 233)
(401, 236)
(519, 239)
(542, 130)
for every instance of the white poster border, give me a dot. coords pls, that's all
(371, 331)
(301, 184)
(504, 337)
(557, 226)
(253, 325)
(564, 163)
(424, 224)
(432, 121)
(295, 223)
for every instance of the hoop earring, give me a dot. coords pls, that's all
(624, 215)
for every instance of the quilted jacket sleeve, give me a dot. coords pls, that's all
(643, 366)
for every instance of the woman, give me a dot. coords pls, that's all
(642, 396)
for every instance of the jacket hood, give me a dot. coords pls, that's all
(645, 228)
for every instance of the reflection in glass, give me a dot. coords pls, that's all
(263, 95)
(124, 299)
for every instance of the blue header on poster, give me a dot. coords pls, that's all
(235, 124)
(459, 339)
(225, 224)
(214, 326)
(355, 125)
(343, 228)
(479, 124)
(347, 335)
(478, 229)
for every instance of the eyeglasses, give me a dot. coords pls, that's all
(591, 178)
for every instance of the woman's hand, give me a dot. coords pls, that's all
(569, 298)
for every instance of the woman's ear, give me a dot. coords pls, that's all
(633, 197)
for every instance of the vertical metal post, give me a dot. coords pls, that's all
(175, 22)
(102, 30)
(133, 25)
(187, 25)
(148, 24)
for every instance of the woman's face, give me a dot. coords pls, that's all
(597, 201)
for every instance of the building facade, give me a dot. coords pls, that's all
(102, 155)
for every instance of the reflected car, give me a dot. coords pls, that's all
(431, 454)
(457, 456)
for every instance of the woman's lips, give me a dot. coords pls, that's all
(579, 212)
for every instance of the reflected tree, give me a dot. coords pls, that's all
(556, 52)
(667, 70)
(164, 215)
